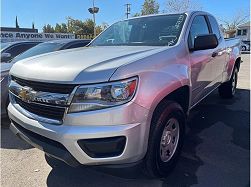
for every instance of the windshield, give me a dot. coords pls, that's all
(162, 30)
(39, 49)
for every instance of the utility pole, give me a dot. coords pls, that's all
(128, 10)
(94, 10)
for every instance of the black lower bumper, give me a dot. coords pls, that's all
(58, 151)
(50, 147)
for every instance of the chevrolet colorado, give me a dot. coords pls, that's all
(123, 99)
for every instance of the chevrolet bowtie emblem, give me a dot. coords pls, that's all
(27, 94)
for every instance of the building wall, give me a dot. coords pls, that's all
(13, 29)
(240, 34)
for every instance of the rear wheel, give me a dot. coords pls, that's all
(228, 89)
(165, 139)
(243, 48)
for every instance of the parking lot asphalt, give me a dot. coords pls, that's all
(215, 153)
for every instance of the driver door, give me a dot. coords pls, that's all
(201, 61)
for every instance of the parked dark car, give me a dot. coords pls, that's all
(50, 46)
(10, 50)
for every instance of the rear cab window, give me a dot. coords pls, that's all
(215, 27)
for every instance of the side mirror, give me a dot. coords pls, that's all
(203, 42)
(5, 57)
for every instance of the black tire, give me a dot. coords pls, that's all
(53, 162)
(243, 48)
(5, 121)
(228, 89)
(154, 166)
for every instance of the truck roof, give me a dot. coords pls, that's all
(172, 13)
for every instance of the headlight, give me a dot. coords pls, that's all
(99, 96)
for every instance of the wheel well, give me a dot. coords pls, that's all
(181, 96)
(238, 63)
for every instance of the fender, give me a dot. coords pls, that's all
(233, 56)
(160, 84)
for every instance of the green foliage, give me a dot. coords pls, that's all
(48, 29)
(150, 7)
(61, 28)
(64, 28)
(75, 26)
(80, 27)
(136, 15)
(98, 30)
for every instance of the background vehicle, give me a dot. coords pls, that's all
(42, 48)
(245, 46)
(126, 97)
(10, 50)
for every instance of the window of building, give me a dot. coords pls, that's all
(244, 32)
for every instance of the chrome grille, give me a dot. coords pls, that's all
(43, 100)
(45, 87)
(47, 111)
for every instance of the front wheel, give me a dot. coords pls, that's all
(228, 89)
(165, 139)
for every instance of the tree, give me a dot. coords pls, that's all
(232, 22)
(75, 26)
(61, 28)
(150, 7)
(48, 29)
(80, 27)
(64, 28)
(98, 30)
(136, 15)
(182, 5)
(89, 26)
(58, 28)
(17, 26)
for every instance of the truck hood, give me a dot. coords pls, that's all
(80, 66)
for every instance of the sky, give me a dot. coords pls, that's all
(43, 12)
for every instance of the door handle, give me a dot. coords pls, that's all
(214, 54)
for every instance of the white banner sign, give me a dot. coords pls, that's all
(18, 36)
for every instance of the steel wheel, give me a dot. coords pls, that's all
(169, 139)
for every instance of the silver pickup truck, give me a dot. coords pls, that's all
(124, 99)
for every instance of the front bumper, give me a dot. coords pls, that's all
(129, 121)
